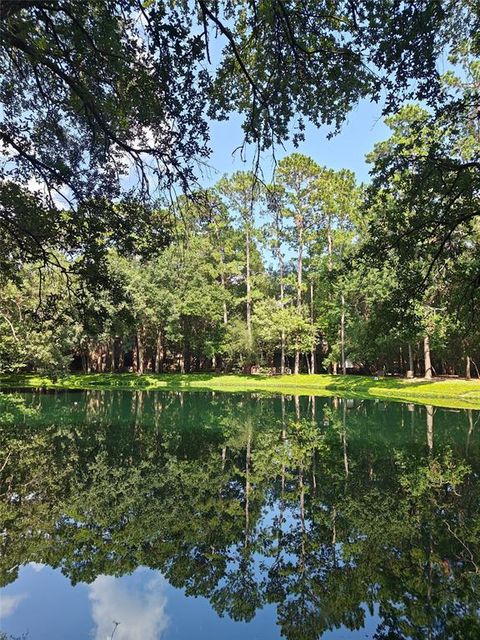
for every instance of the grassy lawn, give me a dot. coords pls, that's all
(448, 393)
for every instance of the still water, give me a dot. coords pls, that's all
(175, 516)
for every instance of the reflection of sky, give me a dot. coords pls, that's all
(136, 604)
(8, 604)
(43, 604)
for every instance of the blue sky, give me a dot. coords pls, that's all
(347, 150)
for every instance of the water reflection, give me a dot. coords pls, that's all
(9, 604)
(332, 513)
(128, 610)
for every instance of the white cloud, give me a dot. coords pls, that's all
(135, 602)
(36, 566)
(8, 604)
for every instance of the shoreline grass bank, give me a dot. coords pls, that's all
(447, 393)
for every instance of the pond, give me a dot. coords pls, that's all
(173, 516)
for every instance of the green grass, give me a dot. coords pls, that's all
(447, 393)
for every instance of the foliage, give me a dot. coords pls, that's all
(103, 104)
(281, 276)
(33, 337)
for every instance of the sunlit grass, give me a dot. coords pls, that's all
(450, 393)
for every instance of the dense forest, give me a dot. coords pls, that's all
(306, 272)
(256, 277)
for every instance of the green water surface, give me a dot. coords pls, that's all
(145, 515)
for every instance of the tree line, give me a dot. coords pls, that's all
(311, 273)
(257, 277)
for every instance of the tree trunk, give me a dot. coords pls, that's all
(224, 287)
(247, 488)
(330, 267)
(342, 335)
(140, 352)
(430, 412)
(249, 286)
(468, 373)
(296, 369)
(299, 283)
(158, 353)
(308, 363)
(282, 294)
(117, 353)
(344, 438)
(187, 358)
(225, 314)
(110, 356)
(312, 321)
(410, 360)
(329, 243)
(114, 354)
(301, 486)
(427, 356)
(297, 407)
(279, 256)
(224, 457)
(300, 267)
(284, 437)
(470, 430)
(222, 268)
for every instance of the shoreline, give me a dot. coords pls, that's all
(456, 393)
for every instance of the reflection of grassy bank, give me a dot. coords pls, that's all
(448, 393)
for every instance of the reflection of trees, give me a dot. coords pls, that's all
(324, 509)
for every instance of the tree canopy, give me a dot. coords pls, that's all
(103, 99)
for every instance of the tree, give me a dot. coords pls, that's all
(423, 205)
(93, 92)
(35, 337)
(277, 326)
(427, 175)
(340, 225)
(297, 176)
(241, 193)
(276, 237)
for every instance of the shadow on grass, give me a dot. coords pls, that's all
(363, 382)
(185, 380)
(175, 381)
(125, 380)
